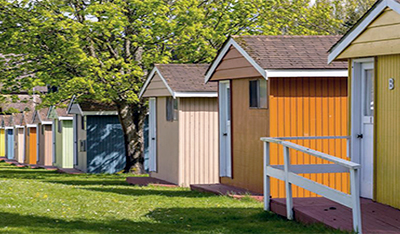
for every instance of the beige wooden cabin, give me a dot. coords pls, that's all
(372, 49)
(183, 122)
(45, 137)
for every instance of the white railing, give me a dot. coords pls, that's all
(289, 174)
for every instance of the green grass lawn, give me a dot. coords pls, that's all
(40, 201)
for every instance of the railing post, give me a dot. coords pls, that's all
(355, 196)
(288, 185)
(266, 178)
(348, 141)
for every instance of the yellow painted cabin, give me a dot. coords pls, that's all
(303, 97)
(372, 48)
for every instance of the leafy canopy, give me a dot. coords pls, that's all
(103, 48)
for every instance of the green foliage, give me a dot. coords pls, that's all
(103, 48)
(42, 201)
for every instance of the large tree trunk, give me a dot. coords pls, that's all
(131, 117)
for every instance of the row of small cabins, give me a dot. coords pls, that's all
(222, 127)
(85, 137)
(289, 116)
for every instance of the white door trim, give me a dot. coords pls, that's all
(152, 134)
(356, 118)
(225, 154)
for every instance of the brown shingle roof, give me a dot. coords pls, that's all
(43, 114)
(18, 119)
(92, 105)
(28, 117)
(62, 112)
(186, 77)
(25, 103)
(8, 120)
(290, 52)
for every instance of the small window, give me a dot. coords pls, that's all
(258, 97)
(59, 127)
(172, 109)
(83, 122)
(42, 128)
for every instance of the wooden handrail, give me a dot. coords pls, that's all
(287, 174)
(312, 152)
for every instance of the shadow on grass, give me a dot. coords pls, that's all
(174, 220)
(135, 191)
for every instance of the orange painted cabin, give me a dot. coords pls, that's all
(31, 146)
(304, 97)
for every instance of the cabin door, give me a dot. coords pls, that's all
(225, 129)
(363, 124)
(152, 134)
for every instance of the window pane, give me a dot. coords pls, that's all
(168, 106)
(175, 109)
(369, 93)
(263, 90)
(253, 94)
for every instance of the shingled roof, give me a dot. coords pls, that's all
(92, 105)
(290, 52)
(182, 78)
(186, 77)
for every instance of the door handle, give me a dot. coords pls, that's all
(153, 138)
(359, 136)
(225, 134)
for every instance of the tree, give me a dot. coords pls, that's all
(102, 49)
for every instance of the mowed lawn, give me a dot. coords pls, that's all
(40, 201)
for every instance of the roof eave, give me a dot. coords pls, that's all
(150, 77)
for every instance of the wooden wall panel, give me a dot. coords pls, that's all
(21, 144)
(248, 126)
(32, 146)
(382, 37)
(2, 143)
(156, 88)
(41, 144)
(387, 131)
(167, 146)
(309, 107)
(67, 144)
(48, 145)
(198, 141)
(234, 66)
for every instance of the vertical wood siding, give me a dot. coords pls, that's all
(309, 107)
(67, 144)
(20, 145)
(198, 141)
(41, 145)
(58, 146)
(105, 144)
(387, 131)
(82, 155)
(2, 143)
(48, 147)
(10, 144)
(167, 146)
(32, 146)
(248, 126)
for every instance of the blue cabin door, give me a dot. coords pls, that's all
(105, 144)
(10, 144)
